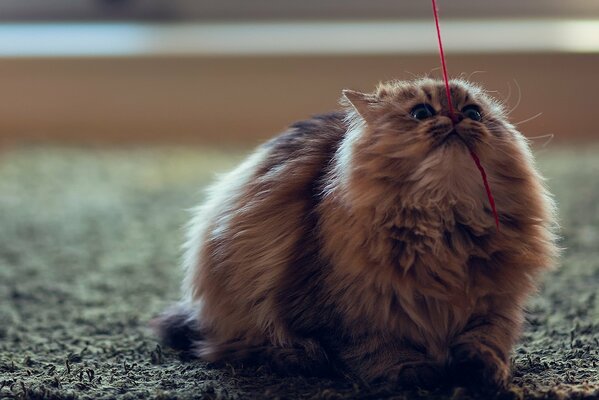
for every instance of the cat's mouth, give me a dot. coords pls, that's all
(450, 138)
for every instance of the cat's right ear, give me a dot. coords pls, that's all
(363, 103)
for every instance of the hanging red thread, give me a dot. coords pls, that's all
(487, 187)
(453, 117)
(443, 64)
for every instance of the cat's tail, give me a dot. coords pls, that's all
(178, 327)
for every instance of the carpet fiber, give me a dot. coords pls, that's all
(89, 247)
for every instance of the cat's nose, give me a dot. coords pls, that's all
(456, 118)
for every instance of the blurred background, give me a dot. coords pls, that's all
(238, 71)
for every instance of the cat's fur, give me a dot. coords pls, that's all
(362, 240)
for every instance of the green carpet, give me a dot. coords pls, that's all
(89, 247)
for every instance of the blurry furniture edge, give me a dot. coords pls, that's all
(242, 83)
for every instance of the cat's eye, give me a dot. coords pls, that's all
(422, 111)
(472, 112)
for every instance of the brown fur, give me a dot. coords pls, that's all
(363, 240)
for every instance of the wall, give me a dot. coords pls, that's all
(245, 99)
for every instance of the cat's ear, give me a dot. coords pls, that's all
(363, 103)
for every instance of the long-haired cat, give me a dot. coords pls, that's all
(363, 240)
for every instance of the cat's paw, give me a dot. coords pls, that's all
(418, 374)
(305, 357)
(477, 365)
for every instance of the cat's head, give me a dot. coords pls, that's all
(403, 133)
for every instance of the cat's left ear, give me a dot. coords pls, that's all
(363, 103)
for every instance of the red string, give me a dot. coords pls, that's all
(453, 117)
(487, 187)
(443, 64)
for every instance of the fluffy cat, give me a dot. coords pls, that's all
(363, 241)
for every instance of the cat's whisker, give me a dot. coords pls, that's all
(549, 137)
(519, 97)
(436, 69)
(541, 136)
(508, 96)
(412, 74)
(537, 115)
(474, 73)
(497, 149)
(549, 140)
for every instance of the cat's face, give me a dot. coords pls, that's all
(407, 136)
(411, 119)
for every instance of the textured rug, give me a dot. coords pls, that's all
(89, 248)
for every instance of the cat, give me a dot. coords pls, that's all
(363, 241)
